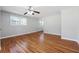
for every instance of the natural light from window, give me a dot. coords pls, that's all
(14, 20)
(41, 22)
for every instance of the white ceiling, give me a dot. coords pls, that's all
(44, 10)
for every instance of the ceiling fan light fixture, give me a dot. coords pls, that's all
(30, 11)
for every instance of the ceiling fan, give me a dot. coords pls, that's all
(30, 11)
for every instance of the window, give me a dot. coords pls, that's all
(41, 22)
(23, 21)
(18, 20)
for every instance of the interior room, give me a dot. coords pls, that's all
(39, 29)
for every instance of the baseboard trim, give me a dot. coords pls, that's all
(70, 39)
(19, 34)
(52, 34)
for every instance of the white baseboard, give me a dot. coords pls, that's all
(53, 33)
(12, 36)
(0, 38)
(70, 39)
(17, 35)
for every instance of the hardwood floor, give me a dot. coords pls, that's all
(38, 43)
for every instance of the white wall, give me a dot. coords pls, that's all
(0, 27)
(9, 30)
(0, 22)
(52, 24)
(70, 24)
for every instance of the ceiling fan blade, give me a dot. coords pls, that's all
(25, 13)
(36, 12)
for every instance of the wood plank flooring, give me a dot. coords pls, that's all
(38, 43)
